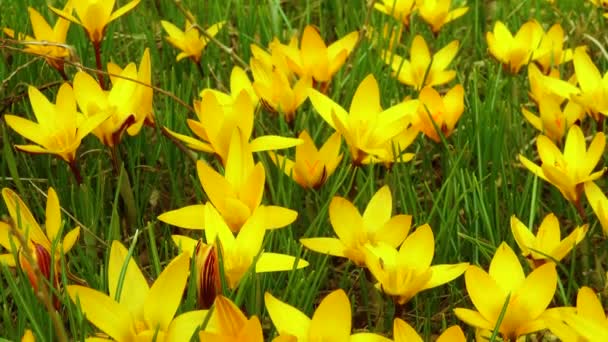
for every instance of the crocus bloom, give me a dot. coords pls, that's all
(228, 324)
(437, 12)
(239, 81)
(441, 112)
(46, 246)
(593, 88)
(60, 127)
(368, 129)
(119, 103)
(95, 15)
(312, 166)
(216, 124)
(331, 320)
(587, 323)
(547, 245)
(206, 273)
(423, 69)
(136, 311)
(526, 298)
(552, 121)
(237, 194)
(316, 59)
(568, 170)
(355, 231)
(514, 51)
(404, 273)
(239, 253)
(403, 332)
(189, 41)
(399, 9)
(44, 33)
(599, 203)
(28, 336)
(550, 53)
(142, 98)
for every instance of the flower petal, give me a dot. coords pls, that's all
(274, 262)
(286, 318)
(506, 270)
(332, 319)
(378, 210)
(190, 217)
(134, 286)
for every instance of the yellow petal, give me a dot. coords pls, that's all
(274, 262)
(345, 220)
(123, 10)
(486, 294)
(134, 286)
(106, 314)
(21, 214)
(272, 142)
(325, 107)
(441, 274)
(70, 239)
(473, 318)
(395, 230)
(184, 326)
(598, 202)
(418, 248)
(452, 334)
(535, 293)
(332, 319)
(28, 129)
(505, 269)
(185, 244)
(329, 246)
(277, 217)
(378, 210)
(53, 215)
(403, 332)
(166, 293)
(286, 318)
(366, 100)
(523, 236)
(227, 319)
(216, 187)
(190, 217)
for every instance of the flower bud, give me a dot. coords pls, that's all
(207, 274)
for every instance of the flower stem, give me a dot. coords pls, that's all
(97, 48)
(75, 171)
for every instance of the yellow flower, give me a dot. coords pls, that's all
(46, 246)
(216, 124)
(593, 88)
(598, 202)
(239, 81)
(237, 194)
(95, 15)
(441, 112)
(368, 129)
(28, 336)
(388, 38)
(399, 9)
(404, 273)
(547, 245)
(331, 321)
(142, 99)
(60, 128)
(239, 253)
(355, 231)
(190, 41)
(423, 69)
(275, 58)
(44, 33)
(526, 298)
(587, 323)
(550, 53)
(275, 89)
(403, 332)
(437, 12)
(228, 324)
(312, 166)
(206, 273)
(568, 170)
(119, 103)
(316, 59)
(135, 311)
(514, 52)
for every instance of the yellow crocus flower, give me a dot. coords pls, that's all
(568, 170)
(138, 311)
(369, 130)
(547, 245)
(587, 323)
(189, 41)
(514, 51)
(550, 53)
(95, 15)
(240, 252)
(405, 272)
(399, 9)
(598, 202)
(316, 59)
(423, 69)
(437, 13)
(355, 231)
(228, 324)
(312, 166)
(237, 194)
(239, 81)
(593, 87)
(28, 336)
(53, 53)
(441, 112)
(403, 332)
(60, 127)
(526, 298)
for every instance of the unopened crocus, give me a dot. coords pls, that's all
(399, 9)
(423, 69)
(513, 52)
(189, 41)
(437, 13)
(354, 231)
(403, 332)
(405, 272)
(568, 170)
(506, 287)
(437, 114)
(547, 244)
(599, 203)
(228, 324)
(312, 166)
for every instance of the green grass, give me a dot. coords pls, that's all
(466, 188)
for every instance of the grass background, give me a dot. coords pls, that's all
(466, 189)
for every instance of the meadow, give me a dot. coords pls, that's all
(315, 170)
